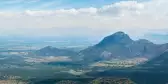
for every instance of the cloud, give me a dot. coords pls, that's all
(133, 17)
(122, 8)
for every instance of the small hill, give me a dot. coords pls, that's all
(52, 51)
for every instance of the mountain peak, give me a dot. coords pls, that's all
(119, 36)
(116, 38)
(120, 33)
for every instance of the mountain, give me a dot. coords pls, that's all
(116, 38)
(120, 45)
(52, 51)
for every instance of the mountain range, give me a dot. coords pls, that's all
(118, 45)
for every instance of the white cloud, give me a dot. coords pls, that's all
(122, 8)
(129, 16)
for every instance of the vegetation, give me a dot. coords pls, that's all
(67, 82)
(12, 82)
(112, 81)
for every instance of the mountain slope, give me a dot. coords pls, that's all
(120, 45)
(159, 63)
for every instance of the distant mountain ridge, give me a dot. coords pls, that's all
(120, 45)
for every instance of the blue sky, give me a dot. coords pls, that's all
(18, 5)
(157, 38)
